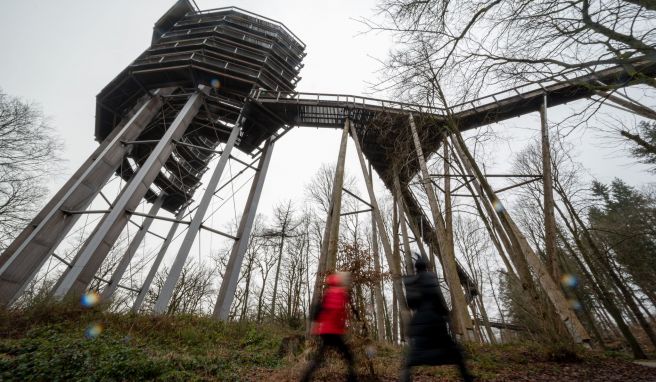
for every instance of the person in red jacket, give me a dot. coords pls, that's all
(330, 324)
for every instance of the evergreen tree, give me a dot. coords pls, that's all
(624, 223)
(644, 143)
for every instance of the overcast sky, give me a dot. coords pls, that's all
(60, 54)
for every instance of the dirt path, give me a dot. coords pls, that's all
(648, 363)
(606, 371)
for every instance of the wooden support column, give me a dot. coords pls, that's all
(461, 320)
(547, 182)
(109, 290)
(486, 322)
(239, 247)
(328, 254)
(639, 109)
(32, 248)
(378, 295)
(95, 249)
(158, 260)
(395, 318)
(552, 290)
(415, 232)
(496, 232)
(396, 243)
(407, 252)
(338, 185)
(599, 283)
(396, 251)
(400, 206)
(478, 334)
(395, 270)
(448, 211)
(166, 293)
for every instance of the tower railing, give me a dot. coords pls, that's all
(256, 16)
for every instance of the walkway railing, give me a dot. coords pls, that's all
(574, 77)
(345, 100)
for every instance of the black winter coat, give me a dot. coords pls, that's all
(430, 341)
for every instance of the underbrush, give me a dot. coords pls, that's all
(64, 341)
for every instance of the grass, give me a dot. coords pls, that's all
(51, 342)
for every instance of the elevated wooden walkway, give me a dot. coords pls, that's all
(383, 123)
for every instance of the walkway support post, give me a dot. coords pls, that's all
(328, 254)
(166, 293)
(378, 295)
(463, 323)
(416, 231)
(396, 255)
(519, 242)
(547, 183)
(407, 253)
(338, 185)
(497, 233)
(448, 212)
(30, 250)
(158, 260)
(95, 249)
(132, 249)
(395, 271)
(239, 247)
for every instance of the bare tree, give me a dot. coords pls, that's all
(267, 259)
(29, 153)
(255, 246)
(483, 44)
(319, 189)
(193, 292)
(284, 227)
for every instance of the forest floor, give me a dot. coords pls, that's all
(57, 342)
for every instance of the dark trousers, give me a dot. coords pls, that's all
(336, 342)
(457, 358)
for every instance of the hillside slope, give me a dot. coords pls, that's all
(60, 343)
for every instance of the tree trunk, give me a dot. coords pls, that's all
(277, 275)
(637, 139)
(249, 268)
(260, 299)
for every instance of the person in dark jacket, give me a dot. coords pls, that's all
(429, 338)
(330, 324)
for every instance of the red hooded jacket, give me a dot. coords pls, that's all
(332, 317)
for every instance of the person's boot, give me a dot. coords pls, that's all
(352, 375)
(307, 375)
(466, 376)
(406, 375)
